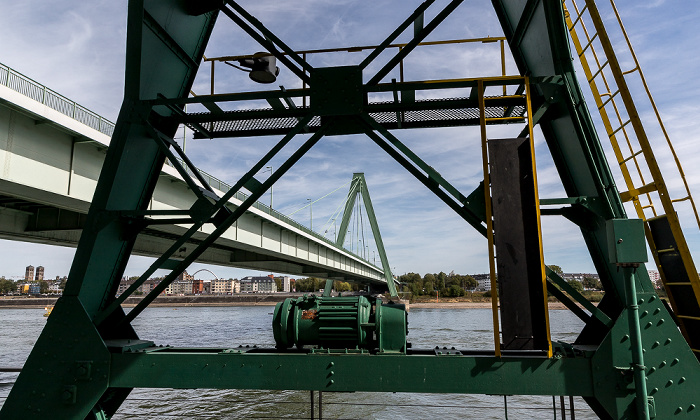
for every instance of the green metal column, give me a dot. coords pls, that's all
(640, 378)
(69, 365)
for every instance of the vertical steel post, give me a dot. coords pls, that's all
(640, 379)
(312, 404)
(401, 69)
(212, 77)
(503, 66)
(563, 407)
(571, 407)
(303, 84)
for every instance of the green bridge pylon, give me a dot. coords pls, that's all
(358, 186)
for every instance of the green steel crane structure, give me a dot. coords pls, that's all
(631, 360)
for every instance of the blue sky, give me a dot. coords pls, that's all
(77, 49)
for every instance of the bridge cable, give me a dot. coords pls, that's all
(318, 199)
(335, 214)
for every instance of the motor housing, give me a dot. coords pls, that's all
(340, 322)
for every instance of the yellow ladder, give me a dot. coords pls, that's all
(636, 159)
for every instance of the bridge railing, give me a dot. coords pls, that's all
(40, 93)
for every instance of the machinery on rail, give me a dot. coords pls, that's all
(353, 322)
(635, 357)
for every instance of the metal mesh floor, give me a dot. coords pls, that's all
(449, 113)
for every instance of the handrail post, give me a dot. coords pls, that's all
(640, 380)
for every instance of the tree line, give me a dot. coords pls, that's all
(447, 285)
(313, 284)
(432, 284)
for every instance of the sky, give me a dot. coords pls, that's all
(78, 49)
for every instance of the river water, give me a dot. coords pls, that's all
(233, 326)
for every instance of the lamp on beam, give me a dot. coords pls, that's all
(263, 67)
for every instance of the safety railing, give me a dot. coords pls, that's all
(305, 53)
(40, 93)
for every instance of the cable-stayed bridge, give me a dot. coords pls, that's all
(50, 161)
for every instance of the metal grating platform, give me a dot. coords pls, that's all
(392, 115)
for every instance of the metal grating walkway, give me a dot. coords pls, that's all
(392, 115)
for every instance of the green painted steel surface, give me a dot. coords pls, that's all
(541, 50)
(67, 371)
(188, 368)
(158, 34)
(671, 367)
(627, 239)
(98, 365)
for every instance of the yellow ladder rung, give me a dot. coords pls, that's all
(505, 119)
(685, 283)
(662, 251)
(600, 69)
(609, 99)
(636, 192)
(583, 50)
(619, 128)
(695, 350)
(681, 199)
(630, 71)
(630, 157)
(647, 206)
(694, 318)
(580, 15)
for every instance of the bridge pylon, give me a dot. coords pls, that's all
(358, 187)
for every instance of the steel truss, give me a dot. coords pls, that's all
(88, 358)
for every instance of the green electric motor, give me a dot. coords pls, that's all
(352, 322)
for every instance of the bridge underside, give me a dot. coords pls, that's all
(28, 221)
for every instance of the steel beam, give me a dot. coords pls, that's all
(230, 368)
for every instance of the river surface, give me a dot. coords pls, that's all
(233, 326)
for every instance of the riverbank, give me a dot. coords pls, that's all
(196, 300)
(253, 299)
